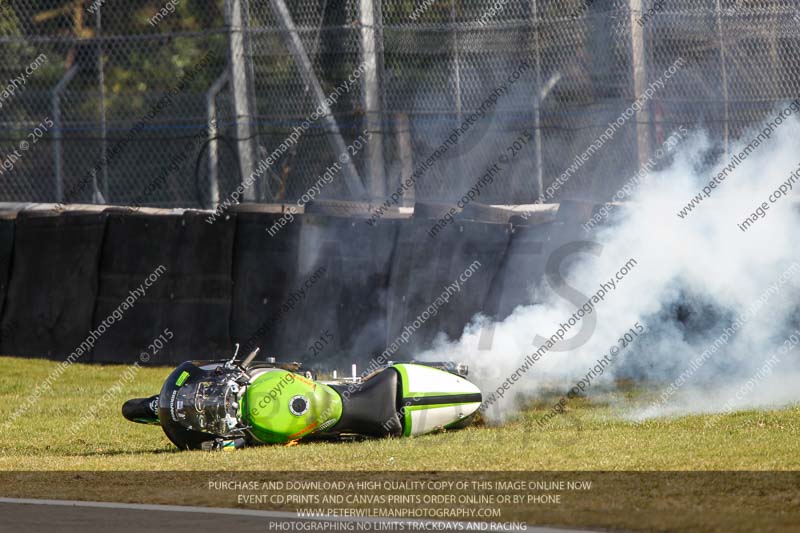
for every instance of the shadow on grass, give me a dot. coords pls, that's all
(115, 453)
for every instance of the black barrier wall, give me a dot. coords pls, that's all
(6, 249)
(319, 278)
(325, 290)
(263, 270)
(53, 285)
(348, 306)
(174, 272)
(460, 262)
(522, 275)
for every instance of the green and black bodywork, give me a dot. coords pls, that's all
(222, 405)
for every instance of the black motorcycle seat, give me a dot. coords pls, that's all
(371, 409)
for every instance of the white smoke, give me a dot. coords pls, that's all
(703, 262)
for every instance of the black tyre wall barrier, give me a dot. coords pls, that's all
(6, 250)
(522, 275)
(424, 266)
(264, 268)
(188, 264)
(520, 272)
(344, 318)
(54, 282)
(314, 290)
(325, 290)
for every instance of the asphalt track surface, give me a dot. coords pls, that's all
(68, 516)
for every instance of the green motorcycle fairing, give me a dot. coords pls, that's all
(281, 406)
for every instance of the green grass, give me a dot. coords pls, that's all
(589, 436)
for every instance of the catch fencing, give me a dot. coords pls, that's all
(175, 103)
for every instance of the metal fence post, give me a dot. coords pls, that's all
(537, 112)
(103, 125)
(724, 73)
(370, 20)
(213, 145)
(639, 65)
(55, 104)
(459, 111)
(242, 104)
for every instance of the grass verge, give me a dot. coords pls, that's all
(589, 438)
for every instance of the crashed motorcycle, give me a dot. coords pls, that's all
(221, 405)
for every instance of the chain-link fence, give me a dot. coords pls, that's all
(177, 103)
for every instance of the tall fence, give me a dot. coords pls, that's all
(182, 103)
